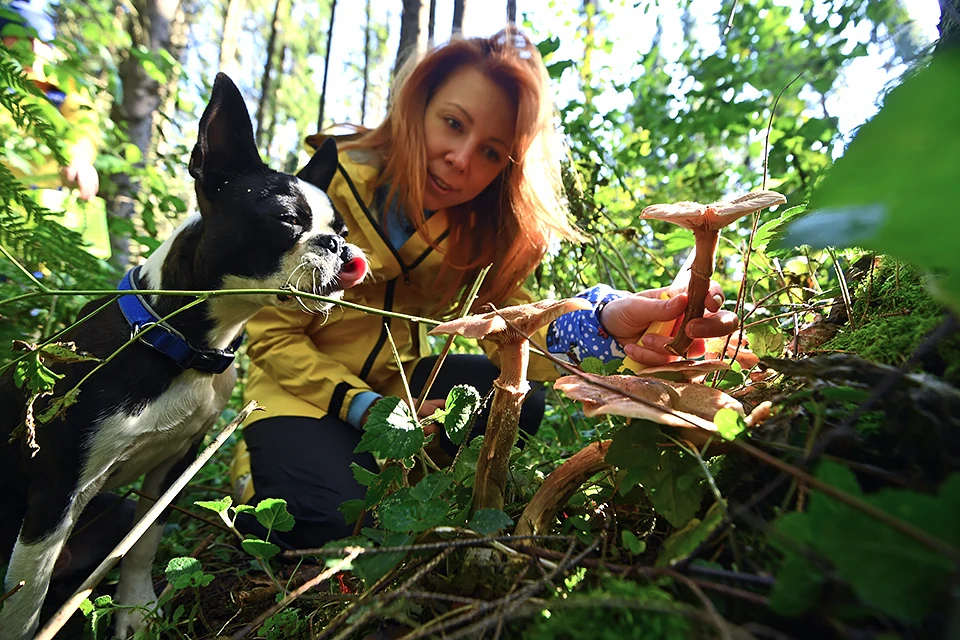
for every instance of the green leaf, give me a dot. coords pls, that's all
(59, 405)
(636, 450)
(184, 572)
(65, 352)
(592, 365)
(381, 484)
(391, 430)
(729, 423)
(634, 545)
(767, 340)
(673, 488)
(417, 509)
(362, 475)
(372, 567)
(886, 569)
(895, 188)
(799, 580)
(217, 506)
(462, 403)
(272, 513)
(684, 542)
(489, 521)
(774, 229)
(260, 548)
(32, 372)
(351, 510)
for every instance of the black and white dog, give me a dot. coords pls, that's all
(146, 411)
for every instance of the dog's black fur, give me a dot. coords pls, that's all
(143, 414)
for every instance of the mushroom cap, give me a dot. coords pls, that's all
(715, 215)
(677, 404)
(511, 324)
(684, 369)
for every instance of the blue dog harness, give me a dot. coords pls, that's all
(164, 338)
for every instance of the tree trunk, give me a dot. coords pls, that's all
(512, 11)
(413, 33)
(432, 25)
(150, 26)
(366, 66)
(326, 66)
(266, 81)
(589, 9)
(949, 26)
(232, 26)
(459, 8)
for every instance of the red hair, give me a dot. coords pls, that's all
(511, 222)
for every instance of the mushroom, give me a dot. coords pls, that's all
(509, 329)
(685, 370)
(705, 220)
(676, 404)
(742, 354)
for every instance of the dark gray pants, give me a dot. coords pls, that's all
(306, 461)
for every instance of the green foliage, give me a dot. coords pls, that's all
(887, 570)
(186, 572)
(682, 543)
(892, 188)
(462, 403)
(670, 478)
(391, 431)
(418, 508)
(617, 609)
(489, 521)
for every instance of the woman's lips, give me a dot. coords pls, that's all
(440, 184)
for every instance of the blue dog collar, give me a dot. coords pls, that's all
(165, 338)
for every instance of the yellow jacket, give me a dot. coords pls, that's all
(312, 365)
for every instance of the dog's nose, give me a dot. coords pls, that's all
(332, 243)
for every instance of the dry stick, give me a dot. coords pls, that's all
(844, 289)
(16, 588)
(903, 527)
(464, 311)
(64, 613)
(390, 597)
(296, 593)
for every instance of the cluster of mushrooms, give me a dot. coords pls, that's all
(655, 394)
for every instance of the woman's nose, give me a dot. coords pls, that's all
(458, 157)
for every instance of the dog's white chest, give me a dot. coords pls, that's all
(127, 446)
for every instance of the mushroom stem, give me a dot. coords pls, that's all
(700, 274)
(559, 486)
(493, 465)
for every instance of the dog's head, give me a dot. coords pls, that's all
(262, 229)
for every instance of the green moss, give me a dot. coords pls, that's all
(893, 312)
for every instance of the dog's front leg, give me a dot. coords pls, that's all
(38, 545)
(136, 582)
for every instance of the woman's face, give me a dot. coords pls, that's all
(468, 133)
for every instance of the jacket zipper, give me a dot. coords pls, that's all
(376, 225)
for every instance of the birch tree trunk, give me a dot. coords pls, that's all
(949, 26)
(432, 25)
(413, 32)
(459, 8)
(266, 80)
(366, 66)
(232, 26)
(150, 26)
(512, 11)
(326, 66)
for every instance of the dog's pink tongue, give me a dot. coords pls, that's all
(353, 272)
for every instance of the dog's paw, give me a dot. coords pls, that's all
(130, 620)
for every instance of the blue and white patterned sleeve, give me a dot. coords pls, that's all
(580, 333)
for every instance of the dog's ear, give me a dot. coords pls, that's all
(225, 145)
(322, 166)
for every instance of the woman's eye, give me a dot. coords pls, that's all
(453, 123)
(493, 155)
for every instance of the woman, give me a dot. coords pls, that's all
(460, 174)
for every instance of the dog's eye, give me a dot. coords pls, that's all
(290, 219)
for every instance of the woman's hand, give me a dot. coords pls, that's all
(426, 410)
(627, 318)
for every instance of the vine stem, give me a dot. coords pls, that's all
(216, 293)
(22, 268)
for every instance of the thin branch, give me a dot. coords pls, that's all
(68, 608)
